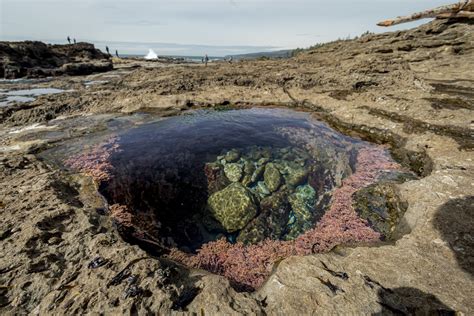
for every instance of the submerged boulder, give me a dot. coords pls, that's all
(272, 177)
(302, 216)
(234, 207)
(232, 155)
(271, 221)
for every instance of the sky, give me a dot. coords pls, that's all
(196, 27)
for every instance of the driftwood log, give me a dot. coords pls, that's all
(462, 9)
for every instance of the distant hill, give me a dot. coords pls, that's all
(287, 53)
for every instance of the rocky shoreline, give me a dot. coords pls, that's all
(410, 90)
(39, 60)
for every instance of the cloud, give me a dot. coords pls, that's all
(141, 22)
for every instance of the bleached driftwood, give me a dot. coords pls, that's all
(464, 9)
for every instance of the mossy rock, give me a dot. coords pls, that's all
(234, 207)
(381, 206)
(271, 221)
(272, 177)
(302, 216)
(233, 171)
(232, 155)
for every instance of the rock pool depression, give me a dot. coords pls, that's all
(233, 191)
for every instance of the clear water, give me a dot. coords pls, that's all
(33, 92)
(162, 173)
(27, 95)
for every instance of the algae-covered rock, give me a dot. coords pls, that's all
(216, 180)
(257, 174)
(232, 155)
(295, 174)
(272, 177)
(381, 206)
(233, 171)
(271, 222)
(302, 204)
(234, 207)
(262, 189)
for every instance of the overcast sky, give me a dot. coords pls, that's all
(238, 25)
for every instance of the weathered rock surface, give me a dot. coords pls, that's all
(37, 60)
(406, 81)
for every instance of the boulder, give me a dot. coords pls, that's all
(234, 207)
(272, 177)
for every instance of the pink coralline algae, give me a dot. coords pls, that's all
(96, 162)
(249, 266)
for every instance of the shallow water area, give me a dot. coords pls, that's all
(25, 95)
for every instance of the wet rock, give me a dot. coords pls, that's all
(272, 177)
(295, 174)
(249, 169)
(262, 188)
(381, 206)
(216, 179)
(263, 161)
(258, 173)
(233, 172)
(234, 207)
(232, 155)
(271, 221)
(302, 204)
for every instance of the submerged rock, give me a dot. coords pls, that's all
(302, 204)
(216, 179)
(295, 174)
(232, 155)
(272, 177)
(274, 211)
(233, 172)
(234, 207)
(262, 189)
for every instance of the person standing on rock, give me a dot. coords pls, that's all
(116, 54)
(74, 41)
(69, 39)
(206, 60)
(107, 50)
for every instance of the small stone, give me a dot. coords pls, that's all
(295, 174)
(262, 188)
(263, 161)
(272, 177)
(258, 173)
(233, 172)
(249, 168)
(232, 155)
(97, 262)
